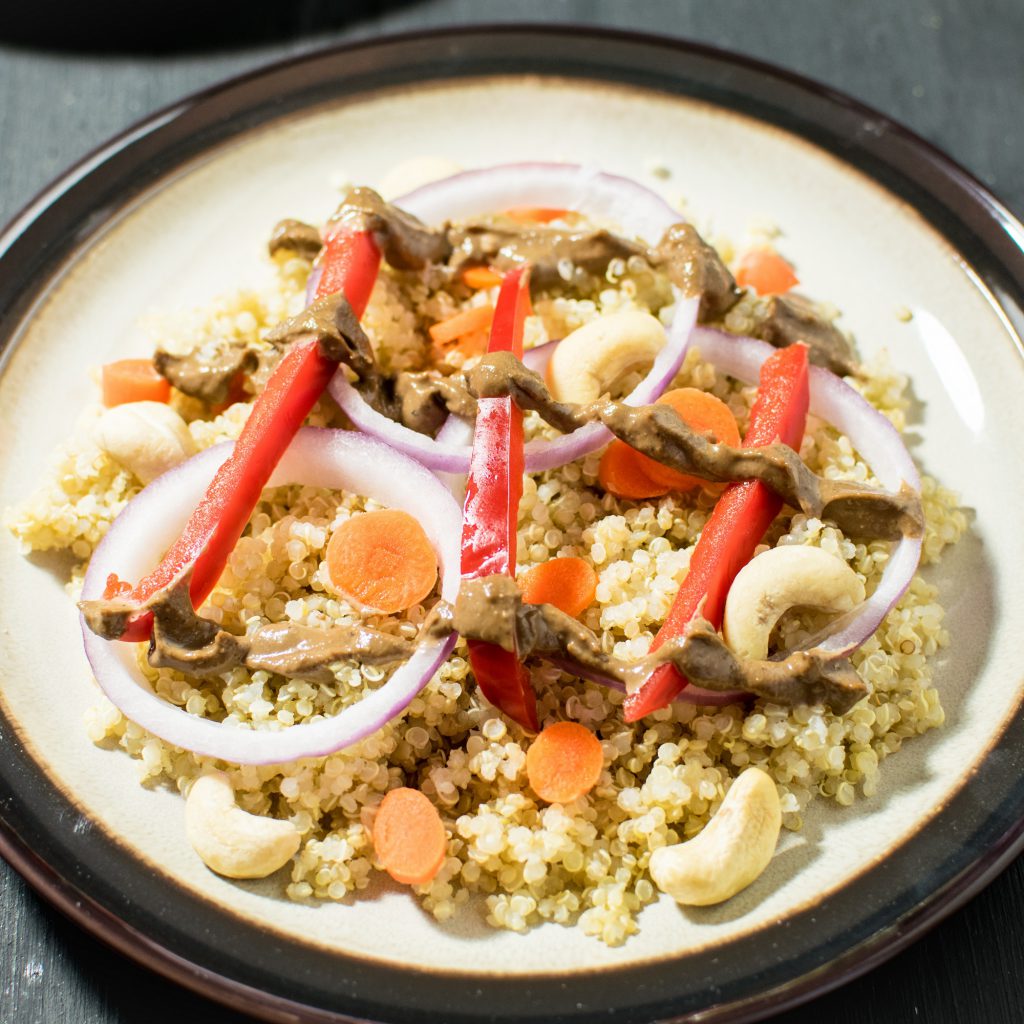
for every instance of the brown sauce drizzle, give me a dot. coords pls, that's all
(696, 268)
(425, 399)
(341, 336)
(792, 319)
(656, 430)
(189, 643)
(206, 376)
(404, 241)
(506, 245)
(295, 236)
(490, 609)
(419, 400)
(689, 262)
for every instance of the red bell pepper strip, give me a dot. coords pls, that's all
(739, 522)
(491, 512)
(351, 260)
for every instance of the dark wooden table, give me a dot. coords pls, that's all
(73, 74)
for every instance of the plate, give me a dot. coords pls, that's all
(177, 211)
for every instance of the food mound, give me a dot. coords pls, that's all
(518, 543)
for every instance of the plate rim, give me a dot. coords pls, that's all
(92, 915)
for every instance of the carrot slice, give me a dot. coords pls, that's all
(568, 583)
(133, 380)
(536, 214)
(564, 762)
(467, 321)
(472, 344)
(764, 270)
(481, 277)
(409, 837)
(704, 413)
(382, 560)
(623, 474)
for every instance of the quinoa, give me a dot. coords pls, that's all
(582, 863)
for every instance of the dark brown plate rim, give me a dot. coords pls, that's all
(97, 883)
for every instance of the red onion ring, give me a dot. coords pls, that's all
(587, 190)
(313, 282)
(874, 438)
(455, 431)
(446, 457)
(607, 197)
(338, 459)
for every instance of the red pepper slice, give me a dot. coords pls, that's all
(490, 516)
(351, 260)
(739, 522)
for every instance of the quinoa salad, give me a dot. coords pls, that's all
(522, 838)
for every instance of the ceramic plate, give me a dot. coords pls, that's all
(177, 211)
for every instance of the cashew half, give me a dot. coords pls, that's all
(231, 841)
(777, 580)
(732, 850)
(146, 438)
(590, 359)
(415, 172)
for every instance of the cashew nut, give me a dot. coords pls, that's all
(777, 580)
(732, 850)
(231, 841)
(412, 173)
(590, 359)
(146, 438)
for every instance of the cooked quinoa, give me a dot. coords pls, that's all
(583, 863)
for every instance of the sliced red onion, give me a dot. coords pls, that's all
(622, 202)
(692, 694)
(537, 358)
(313, 282)
(455, 431)
(605, 197)
(874, 438)
(337, 459)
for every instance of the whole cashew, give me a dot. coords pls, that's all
(590, 359)
(780, 579)
(146, 438)
(732, 850)
(231, 841)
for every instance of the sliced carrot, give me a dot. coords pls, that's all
(133, 380)
(466, 332)
(467, 321)
(481, 277)
(564, 762)
(622, 473)
(409, 837)
(472, 344)
(536, 214)
(568, 583)
(704, 413)
(764, 270)
(382, 561)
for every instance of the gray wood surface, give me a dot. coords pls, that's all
(950, 69)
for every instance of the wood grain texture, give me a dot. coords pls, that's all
(950, 69)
